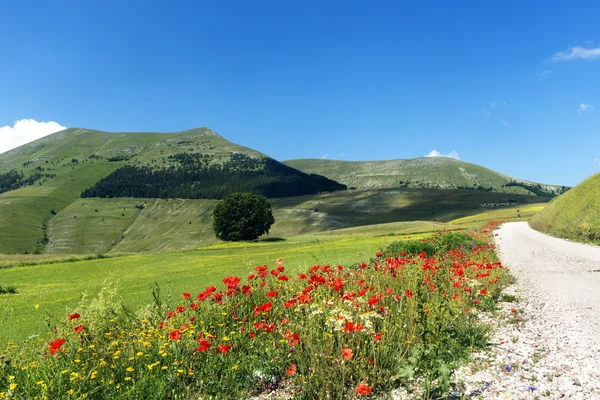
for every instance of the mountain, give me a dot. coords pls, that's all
(424, 172)
(574, 214)
(41, 178)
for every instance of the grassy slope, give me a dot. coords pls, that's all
(164, 225)
(573, 215)
(440, 172)
(56, 288)
(23, 211)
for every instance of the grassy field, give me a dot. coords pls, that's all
(573, 215)
(174, 225)
(434, 172)
(55, 289)
(25, 211)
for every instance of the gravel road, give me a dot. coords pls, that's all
(553, 349)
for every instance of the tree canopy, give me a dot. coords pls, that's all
(242, 216)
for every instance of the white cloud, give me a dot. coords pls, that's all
(25, 131)
(435, 153)
(505, 123)
(324, 157)
(486, 112)
(493, 104)
(342, 155)
(584, 107)
(577, 53)
(544, 74)
(597, 161)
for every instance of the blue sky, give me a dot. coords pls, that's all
(511, 85)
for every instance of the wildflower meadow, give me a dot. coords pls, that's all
(405, 319)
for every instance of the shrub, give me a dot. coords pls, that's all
(242, 216)
(8, 290)
(437, 244)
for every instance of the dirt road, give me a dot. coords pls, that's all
(559, 282)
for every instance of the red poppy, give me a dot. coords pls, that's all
(283, 278)
(301, 277)
(408, 293)
(349, 327)
(55, 345)
(290, 303)
(378, 337)
(204, 345)
(174, 335)
(223, 349)
(363, 389)
(483, 291)
(231, 281)
(513, 310)
(272, 294)
(378, 254)
(78, 328)
(74, 316)
(374, 300)
(291, 371)
(347, 353)
(389, 291)
(292, 338)
(185, 295)
(252, 335)
(180, 309)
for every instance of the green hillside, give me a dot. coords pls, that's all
(424, 172)
(154, 225)
(43, 177)
(573, 215)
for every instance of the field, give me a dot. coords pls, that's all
(402, 316)
(52, 290)
(116, 226)
(574, 215)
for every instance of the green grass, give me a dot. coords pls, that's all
(434, 172)
(91, 225)
(174, 225)
(23, 212)
(523, 212)
(57, 288)
(573, 215)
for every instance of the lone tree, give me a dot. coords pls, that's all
(242, 216)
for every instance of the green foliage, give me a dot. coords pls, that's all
(13, 180)
(573, 215)
(194, 178)
(242, 216)
(101, 312)
(8, 290)
(437, 244)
